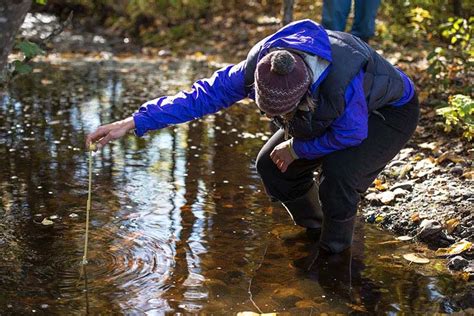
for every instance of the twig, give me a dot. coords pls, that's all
(59, 29)
(250, 282)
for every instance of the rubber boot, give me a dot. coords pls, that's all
(336, 235)
(306, 210)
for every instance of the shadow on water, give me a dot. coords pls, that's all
(179, 222)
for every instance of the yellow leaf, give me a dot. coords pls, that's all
(468, 175)
(451, 224)
(404, 238)
(412, 257)
(379, 185)
(449, 156)
(455, 249)
(389, 242)
(415, 217)
(47, 222)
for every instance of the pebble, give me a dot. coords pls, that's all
(404, 185)
(429, 228)
(387, 197)
(400, 192)
(457, 263)
(457, 171)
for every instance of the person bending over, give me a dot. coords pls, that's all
(340, 106)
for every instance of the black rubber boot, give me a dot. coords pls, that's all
(306, 210)
(336, 235)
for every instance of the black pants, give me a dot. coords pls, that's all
(345, 173)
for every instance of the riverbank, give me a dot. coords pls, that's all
(426, 192)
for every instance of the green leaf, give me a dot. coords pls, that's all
(29, 49)
(41, 2)
(22, 68)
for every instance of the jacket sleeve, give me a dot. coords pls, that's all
(221, 90)
(348, 130)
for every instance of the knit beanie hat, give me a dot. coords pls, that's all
(281, 80)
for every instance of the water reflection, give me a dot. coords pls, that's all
(178, 222)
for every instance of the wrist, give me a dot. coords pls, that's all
(292, 151)
(129, 123)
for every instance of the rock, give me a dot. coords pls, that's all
(404, 185)
(457, 263)
(456, 171)
(371, 218)
(429, 229)
(400, 192)
(387, 197)
(373, 198)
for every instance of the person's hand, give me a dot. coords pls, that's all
(283, 155)
(108, 132)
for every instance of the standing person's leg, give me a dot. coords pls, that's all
(335, 14)
(349, 172)
(295, 188)
(364, 19)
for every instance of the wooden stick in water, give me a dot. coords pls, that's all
(88, 207)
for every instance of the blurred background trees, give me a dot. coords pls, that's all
(429, 39)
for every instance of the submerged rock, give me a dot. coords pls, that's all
(429, 229)
(457, 263)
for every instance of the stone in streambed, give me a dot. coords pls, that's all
(373, 198)
(457, 171)
(387, 197)
(429, 229)
(400, 192)
(404, 185)
(457, 263)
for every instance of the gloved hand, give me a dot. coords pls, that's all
(283, 155)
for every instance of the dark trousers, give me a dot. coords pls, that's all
(345, 173)
(335, 14)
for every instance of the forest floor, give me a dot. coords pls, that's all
(425, 193)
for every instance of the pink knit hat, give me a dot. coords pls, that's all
(281, 80)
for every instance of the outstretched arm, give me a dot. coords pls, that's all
(221, 90)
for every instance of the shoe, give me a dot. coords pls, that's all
(306, 210)
(313, 234)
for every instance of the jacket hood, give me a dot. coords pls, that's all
(304, 35)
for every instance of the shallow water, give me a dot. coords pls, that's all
(179, 222)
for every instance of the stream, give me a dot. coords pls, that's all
(179, 219)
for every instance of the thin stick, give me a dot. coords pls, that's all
(88, 208)
(250, 282)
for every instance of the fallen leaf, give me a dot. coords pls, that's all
(468, 175)
(388, 242)
(451, 224)
(404, 238)
(415, 217)
(449, 156)
(454, 249)
(379, 185)
(412, 257)
(47, 222)
(357, 307)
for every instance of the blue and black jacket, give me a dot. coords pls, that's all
(350, 80)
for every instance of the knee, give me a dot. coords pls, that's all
(338, 193)
(264, 165)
